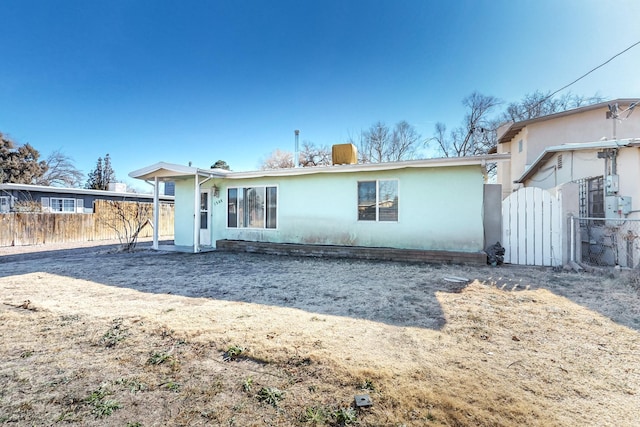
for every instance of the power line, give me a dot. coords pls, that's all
(588, 72)
(583, 76)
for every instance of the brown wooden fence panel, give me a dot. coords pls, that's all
(30, 228)
(6, 229)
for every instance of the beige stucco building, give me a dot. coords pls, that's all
(589, 161)
(561, 135)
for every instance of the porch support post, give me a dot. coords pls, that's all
(196, 215)
(156, 212)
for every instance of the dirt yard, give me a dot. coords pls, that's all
(95, 337)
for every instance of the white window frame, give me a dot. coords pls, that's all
(377, 202)
(5, 204)
(239, 221)
(63, 201)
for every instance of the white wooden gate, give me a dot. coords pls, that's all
(532, 228)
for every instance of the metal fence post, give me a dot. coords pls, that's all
(572, 254)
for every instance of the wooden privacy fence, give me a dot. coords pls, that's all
(33, 228)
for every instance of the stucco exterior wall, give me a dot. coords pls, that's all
(586, 164)
(586, 126)
(511, 169)
(629, 173)
(575, 165)
(184, 212)
(439, 209)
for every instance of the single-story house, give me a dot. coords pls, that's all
(423, 205)
(64, 200)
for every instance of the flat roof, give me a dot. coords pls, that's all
(168, 171)
(50, 189)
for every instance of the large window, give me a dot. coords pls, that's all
(252, 207)
(378, 200)
(62, 205)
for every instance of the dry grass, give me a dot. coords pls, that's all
(110, 352)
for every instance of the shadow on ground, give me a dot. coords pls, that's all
(398, 294)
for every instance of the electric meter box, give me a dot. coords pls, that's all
(612, 184)
(617, 206)
(624, 205)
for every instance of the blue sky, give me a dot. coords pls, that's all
(181, 81)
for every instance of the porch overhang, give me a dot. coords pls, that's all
(163, 171)
(170, 172)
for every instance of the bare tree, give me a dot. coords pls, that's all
(26, 203)
(374, 144)
(477, 133)
(404, 141)
(278, 159)
(312, 155)
(128, 219)
(381, 144)
(60, 171)
(538, 104)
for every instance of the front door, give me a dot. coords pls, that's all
(205, 218)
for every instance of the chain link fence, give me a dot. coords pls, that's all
(610, 242)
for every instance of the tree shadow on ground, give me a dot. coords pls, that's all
(397, 294)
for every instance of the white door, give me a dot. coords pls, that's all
(205, 218)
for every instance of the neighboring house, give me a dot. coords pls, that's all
(527, 141)
(608, 173)
(428, 205)
(14, 197)
(590, 158)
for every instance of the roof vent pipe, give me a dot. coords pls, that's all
(296, 155)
